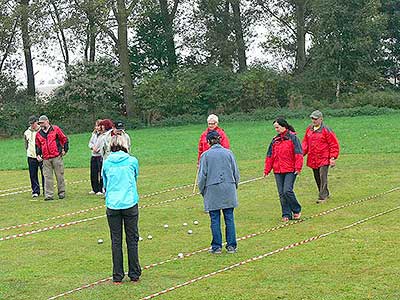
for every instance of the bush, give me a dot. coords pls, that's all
(390, 99)
(92, 91)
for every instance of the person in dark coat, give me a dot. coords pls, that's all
(218, 182)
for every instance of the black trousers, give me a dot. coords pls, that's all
(129, 219)
(34, 167)
(321, 179)
(96, 163)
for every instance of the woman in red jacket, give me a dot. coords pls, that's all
(285, 158)
(212, 122)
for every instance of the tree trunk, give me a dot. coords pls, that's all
(240, 45)
(92, 32)
(27, 47)
(226, 49)
(123, 53)
(167, 21)
(300, 36)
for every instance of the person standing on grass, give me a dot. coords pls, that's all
(285, 158)
(322, 147)
(120, 173)
(51, 146)
(118, 128)
(96, 161)
(218, 180)
(212, 122)
(33, 164)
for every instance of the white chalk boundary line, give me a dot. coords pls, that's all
(88, 209)
(239, 239)
(256, 258)
(19, 235)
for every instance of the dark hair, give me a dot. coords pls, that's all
(213, 137)
(282, 122)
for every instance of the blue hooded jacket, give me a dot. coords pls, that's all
(120, 172)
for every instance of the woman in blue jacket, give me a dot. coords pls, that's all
(120, 173)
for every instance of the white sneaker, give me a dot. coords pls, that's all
(91, 193)
(99, 194)
(35, 195)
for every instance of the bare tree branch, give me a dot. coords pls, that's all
(174, 9)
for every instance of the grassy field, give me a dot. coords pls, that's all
(361, 262)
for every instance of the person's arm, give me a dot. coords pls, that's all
(268, 161)
(224, 139)
(298, 155)
(236, 173)
(38, 147)
(334, 147)
(304, 144)
(63, 140)
(202, 176)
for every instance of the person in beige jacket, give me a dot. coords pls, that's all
(33, 164)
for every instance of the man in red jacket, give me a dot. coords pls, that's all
(51, 146)
(212, 122)
(322, 147)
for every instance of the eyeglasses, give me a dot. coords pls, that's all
(212, 123)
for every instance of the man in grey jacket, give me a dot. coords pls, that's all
(218, 181)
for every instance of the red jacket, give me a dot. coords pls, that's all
(203, 145)
(321, 145)
(284, 154)
(51, 144)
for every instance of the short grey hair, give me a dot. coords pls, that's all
(212, 117)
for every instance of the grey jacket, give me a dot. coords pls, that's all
(218, 178)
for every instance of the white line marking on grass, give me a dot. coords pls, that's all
(311, 239)
(248, 236)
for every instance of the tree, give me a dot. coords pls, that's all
(8, 30)
(346, 45)
(391, 41)
(26, 41)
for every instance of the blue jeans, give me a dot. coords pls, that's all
(289, 203)
(230, 231)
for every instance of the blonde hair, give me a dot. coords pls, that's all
(212, 117)
(118, 142)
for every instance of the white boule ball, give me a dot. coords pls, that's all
(185, 224)
(100, 241)
(190, 231)
(149, 237)
(166, 226)
(195, 222)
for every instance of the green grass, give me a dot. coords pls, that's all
(358, 263)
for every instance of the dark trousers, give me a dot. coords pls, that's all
(34, 167)
(287, 197)
(96, 163)
(321, 179)
(129, 218)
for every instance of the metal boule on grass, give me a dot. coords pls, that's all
(149, 237)
(195, 222)
(166, 226)
(100, 241)
(190, 231)
(185, 224)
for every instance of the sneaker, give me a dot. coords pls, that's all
(61, 196)
(285, 219)
(215, 251)
(92, 193)
(99, 194)
(231, 249)
(321, 201)
(297, 216)
(48, 198)
(117, 282)
(35, 195)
